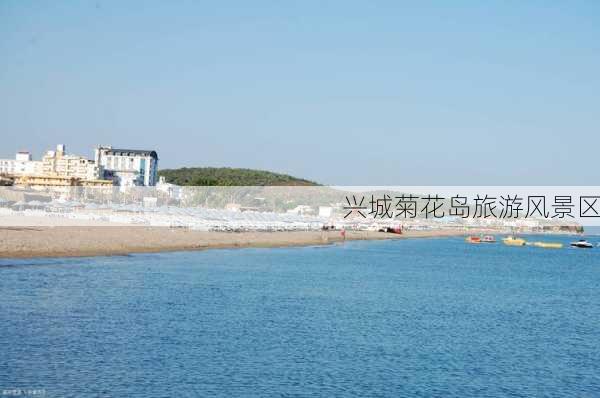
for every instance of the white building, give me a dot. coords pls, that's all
(171, 190)
(22, 164)
(128, 167)
(325, 211)
(301, 210)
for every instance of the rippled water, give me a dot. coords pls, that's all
(417, 318)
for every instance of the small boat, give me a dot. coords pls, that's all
(512, 241)
(548, 245)
(473, 239)
(489, 239)
(582, 244)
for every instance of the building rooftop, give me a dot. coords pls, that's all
(131, 152)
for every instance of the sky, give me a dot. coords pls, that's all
(339, 92)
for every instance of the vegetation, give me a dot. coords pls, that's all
(225, 176)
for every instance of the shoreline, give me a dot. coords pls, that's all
(39, 242)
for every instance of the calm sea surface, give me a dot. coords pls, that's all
(423, 318)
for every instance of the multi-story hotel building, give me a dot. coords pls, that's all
(124, 167)
(22, 164)
(59, 163)
(128, 167)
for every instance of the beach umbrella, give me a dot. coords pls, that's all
(136, 208)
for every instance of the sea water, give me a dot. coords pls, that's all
(402, 318)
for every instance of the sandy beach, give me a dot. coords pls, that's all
(73, 241)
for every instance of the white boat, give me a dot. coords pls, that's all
(489, 239)
(582, 244)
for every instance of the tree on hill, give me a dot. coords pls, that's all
(225, 176)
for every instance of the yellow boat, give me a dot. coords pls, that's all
(548, 245)
(512, 241)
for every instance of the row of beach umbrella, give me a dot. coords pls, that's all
(194, 217)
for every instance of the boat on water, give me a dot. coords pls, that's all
(473, 239)
(548, 245)
(582, 244)
(489, 239)
(512, 241)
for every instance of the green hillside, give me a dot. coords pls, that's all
(225, 176)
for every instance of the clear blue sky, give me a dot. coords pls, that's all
(346, 93)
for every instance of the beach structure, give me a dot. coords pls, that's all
(325, 211)
(172, 191)
(128, 167)
(301, 210)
